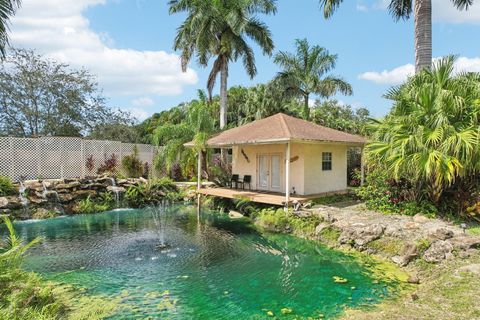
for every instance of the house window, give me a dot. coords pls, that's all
(326, 161)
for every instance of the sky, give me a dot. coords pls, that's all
(128, 46)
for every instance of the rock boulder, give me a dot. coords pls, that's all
(438, 251)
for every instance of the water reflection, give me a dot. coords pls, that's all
(214, 267)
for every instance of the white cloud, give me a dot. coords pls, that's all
(58, 29)
(445, 11)
(400, 74)
(361, 7)
(395, 76)
(143, 102)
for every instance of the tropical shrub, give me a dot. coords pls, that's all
(90, 163)
(176, 172)
(431, 137)
(21, 296)
(6, 186)
(132, 164)
(24, 295)
(220, 171)
(152, 192)
(89, 206)
(109, 165)
(381, 192)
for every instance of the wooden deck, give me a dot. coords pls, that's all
(260, 196)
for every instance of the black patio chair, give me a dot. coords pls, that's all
(247, 179)
(233, 180)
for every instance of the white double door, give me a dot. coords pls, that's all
(269, 172)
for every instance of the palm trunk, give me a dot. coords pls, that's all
(223, 102)
(423, 34)
(223, 94)
(306, 107)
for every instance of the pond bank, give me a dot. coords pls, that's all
(48, 198)
(443, 262)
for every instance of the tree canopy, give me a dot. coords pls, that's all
(431, 136)
(41, 97)
(305, 72)
(222, 30)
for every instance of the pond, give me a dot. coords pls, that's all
(212, 267)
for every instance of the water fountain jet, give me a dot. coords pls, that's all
(159, 214)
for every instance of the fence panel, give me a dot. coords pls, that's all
(63, 157)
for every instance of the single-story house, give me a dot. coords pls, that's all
(284, 154)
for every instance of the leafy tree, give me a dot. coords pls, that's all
(219, 29)
(403, 9)
(40, 97)
(431, 136)
(117, 132)
(260, 101)
(7, 10)
(340, 117)
(303, 73)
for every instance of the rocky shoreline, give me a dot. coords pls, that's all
(400, 239)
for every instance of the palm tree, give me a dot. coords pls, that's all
(198, 126)
(7, 10)
(403, 9)
(432, 135)
(304, 73)
(220, 28)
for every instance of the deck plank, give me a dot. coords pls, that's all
(260, 196)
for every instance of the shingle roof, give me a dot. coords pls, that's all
(281, 128)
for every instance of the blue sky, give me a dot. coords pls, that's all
(128, 45)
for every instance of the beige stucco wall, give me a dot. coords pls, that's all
(306, 174)
(318, 181)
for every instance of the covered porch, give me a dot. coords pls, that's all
(272, 198)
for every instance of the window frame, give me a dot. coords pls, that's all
(327, 161)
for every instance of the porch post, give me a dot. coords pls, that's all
(199, 170)
(287, 175)
(362, 167)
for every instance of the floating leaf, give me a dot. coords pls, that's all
(166, 293)
(286, 310)
(270, 313)
(338, 279)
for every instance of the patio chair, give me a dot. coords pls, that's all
(233, 180)
(247, 179)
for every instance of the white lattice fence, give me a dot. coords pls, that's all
(63, 157)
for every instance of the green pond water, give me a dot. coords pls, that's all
(213, 268)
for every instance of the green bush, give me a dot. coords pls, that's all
(154, 191)
(386, 195)
(6, 186)
(132, 164)
(88, 206)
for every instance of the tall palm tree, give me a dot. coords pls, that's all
(7, 10)
(219, 29)
(403, 9)
(432, 134)
(304, 73)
